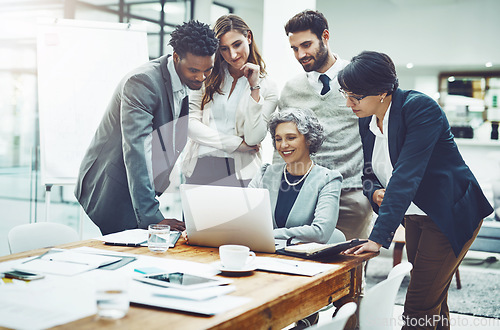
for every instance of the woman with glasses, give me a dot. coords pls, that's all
(228, 117)
(413, 174)
(304, 196)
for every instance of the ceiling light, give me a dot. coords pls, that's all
(451, 79)
(488, 64)
(409, 65)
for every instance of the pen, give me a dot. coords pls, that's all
(125, 244)
(38, 257)
(70, 262)
(288, 262)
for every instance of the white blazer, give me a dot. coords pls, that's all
(251, 125)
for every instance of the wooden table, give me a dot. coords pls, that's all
(277, 299)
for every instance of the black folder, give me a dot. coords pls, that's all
(322, 252)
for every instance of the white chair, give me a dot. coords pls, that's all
(39, 235)
(377, 305)
(340, 320)
(337, 237)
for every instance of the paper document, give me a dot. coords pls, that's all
(45, 304)
(292, 267)
(165, 264)
(65, 262)
(95, 260)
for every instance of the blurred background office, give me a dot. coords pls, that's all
(447, 49)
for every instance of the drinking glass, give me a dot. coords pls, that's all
(158, 237)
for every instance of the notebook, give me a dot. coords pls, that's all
(217, 215)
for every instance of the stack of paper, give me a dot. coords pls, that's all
(206, 301)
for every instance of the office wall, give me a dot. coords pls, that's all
(434, 35)
(445, 33)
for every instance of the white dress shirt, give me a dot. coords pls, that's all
(332, 73)
(381, 159)
(223, 112)
(180, 91)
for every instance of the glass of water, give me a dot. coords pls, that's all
(112, 295)
(158, 237)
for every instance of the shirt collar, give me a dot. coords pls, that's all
(331, 72)
(385, 124)
(177, 85)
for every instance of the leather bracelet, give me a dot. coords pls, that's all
(254, 87)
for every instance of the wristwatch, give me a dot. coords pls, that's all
(252, 88)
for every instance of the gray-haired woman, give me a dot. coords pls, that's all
(304, 196)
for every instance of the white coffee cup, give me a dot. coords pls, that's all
(235, 257)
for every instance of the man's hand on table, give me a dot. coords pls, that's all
(174, 224)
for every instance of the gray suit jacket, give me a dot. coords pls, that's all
(314, 215)
(133, 151)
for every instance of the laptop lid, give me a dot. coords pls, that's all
(217, 215)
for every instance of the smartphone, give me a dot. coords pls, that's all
(25, 276)
(182, 280)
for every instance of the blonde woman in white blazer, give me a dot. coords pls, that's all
(228, 117)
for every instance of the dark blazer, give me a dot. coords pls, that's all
(428, 170)
(132, 153)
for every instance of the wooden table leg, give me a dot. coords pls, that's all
(355, 291)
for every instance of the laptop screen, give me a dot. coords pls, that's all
(218, 215)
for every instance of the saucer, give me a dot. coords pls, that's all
(247, 269)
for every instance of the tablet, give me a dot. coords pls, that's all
(181, 280)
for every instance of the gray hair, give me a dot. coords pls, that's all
(307, 124)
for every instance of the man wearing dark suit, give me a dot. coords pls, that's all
(142, 133)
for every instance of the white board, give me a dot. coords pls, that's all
(80, 63)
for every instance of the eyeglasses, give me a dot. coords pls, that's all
(354, 99)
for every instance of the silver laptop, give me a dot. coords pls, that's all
(217, 215)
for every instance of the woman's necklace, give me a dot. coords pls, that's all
(301, 179)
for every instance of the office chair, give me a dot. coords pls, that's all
(39, 235)
(377, 305)
(340, 319)
(337, 237)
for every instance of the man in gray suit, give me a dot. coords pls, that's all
(142, 133)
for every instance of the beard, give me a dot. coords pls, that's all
(319, 59)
